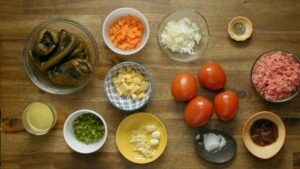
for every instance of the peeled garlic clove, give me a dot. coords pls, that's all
(150, 128)
(156, 135)
(154, 142)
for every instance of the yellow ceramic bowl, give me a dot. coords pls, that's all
(135, 122)
(264, 152)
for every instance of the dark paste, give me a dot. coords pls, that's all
(263, 132)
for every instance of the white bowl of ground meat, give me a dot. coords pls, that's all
(275, 76)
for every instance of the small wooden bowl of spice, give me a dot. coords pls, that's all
(264, 134)
(240, 28)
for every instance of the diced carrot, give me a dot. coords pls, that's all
(141, 27)
(112, 37)
(122, 46)
(117, 26)
(133, 22)
(126, 32)
(131, 35)
(115, 42)
(138, 34)
(135, 29)
(119, 38)
(121, 23)
(134, 41)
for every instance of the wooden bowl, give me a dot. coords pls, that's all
(268, 151)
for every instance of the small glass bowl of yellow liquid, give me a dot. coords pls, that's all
(39, 118)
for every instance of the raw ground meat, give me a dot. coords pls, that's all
(276, 75)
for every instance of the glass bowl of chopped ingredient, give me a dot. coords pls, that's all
(85, 131)
(60, 56)
(183, 35)
(275, 76)
(125, 31)
(128, 86)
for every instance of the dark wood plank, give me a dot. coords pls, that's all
(276, 26)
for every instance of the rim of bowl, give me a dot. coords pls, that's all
(141, 45)
(251, 72)
(247, 124)
(163, 127)
(172, 12)
(27, 46)
(85, 111)
(148, 77)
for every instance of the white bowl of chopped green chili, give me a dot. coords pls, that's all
(85, 131)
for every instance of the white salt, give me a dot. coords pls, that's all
(213, 142)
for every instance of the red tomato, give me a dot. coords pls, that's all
(184, 86)
(198, 111)
(226, 105)
(211, 75)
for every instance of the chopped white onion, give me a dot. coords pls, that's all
(181, 36)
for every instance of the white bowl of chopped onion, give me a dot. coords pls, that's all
(183, 35)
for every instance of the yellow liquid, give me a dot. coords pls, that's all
(39, 118)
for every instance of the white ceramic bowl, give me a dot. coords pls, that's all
(73, 142)
(109, 20)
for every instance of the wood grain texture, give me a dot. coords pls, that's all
(276, 24)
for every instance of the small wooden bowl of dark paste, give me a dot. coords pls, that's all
(264, 134)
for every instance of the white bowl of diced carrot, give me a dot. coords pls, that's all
(125, 31)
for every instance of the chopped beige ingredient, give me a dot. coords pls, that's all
(129, 82)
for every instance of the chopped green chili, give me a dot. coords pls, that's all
(88, 128)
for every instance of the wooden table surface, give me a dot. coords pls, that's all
(276, 26)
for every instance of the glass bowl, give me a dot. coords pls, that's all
(39, 78)
(294, 93)
(195, 17)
